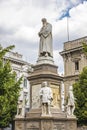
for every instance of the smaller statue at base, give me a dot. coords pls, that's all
(21, 108)
(46, 98)
(71, 102)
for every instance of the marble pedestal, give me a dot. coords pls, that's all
(34, 120)
(56, 121)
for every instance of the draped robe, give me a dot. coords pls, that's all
(45, 44)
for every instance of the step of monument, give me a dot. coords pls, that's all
(55, 113)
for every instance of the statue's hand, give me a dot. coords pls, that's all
(39, 34)
(51, 99)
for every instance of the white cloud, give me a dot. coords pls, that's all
(20, 23)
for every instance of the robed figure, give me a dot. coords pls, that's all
(45, 34)
(71, 102)
(46, 98)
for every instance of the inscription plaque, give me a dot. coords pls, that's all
(47, 125)
(33, 125)
(32, 128)
(60, 126)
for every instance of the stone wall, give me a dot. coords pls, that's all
(82, 128)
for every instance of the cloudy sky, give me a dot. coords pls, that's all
(20, 22)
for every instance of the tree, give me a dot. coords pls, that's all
(80, 93)
(85, 48)
(9, 90)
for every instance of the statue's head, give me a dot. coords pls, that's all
(44, 20)
(44, 84)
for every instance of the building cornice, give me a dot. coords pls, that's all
(70, 50)
(17, 61)
(70, 76)
(74, 45)
(82, 39)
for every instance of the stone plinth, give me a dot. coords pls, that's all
(45, 60)
(56, 121)
(34, 120)
(44, 72)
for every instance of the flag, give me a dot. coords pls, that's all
(64, 13)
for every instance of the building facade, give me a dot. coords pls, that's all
(22, 68)
(74, 61)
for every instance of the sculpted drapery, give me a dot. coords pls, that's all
(45, 34)
(71, 102)
(46, 98)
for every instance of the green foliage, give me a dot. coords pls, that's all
(9, 90)
(85, 48)
(80, 93)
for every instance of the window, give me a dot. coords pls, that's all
(25, 82)
(76, 65)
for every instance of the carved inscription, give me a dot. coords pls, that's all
(71, 125)
(32, 128)
(59, 126)
(32, 125)
(47, 125)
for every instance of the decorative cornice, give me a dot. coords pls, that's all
(17, 61)
(51, 75)
(70, 51)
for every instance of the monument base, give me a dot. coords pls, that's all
(45, 123)
(34, 120)
(45, 60)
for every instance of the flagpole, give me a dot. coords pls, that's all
(67, 28)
